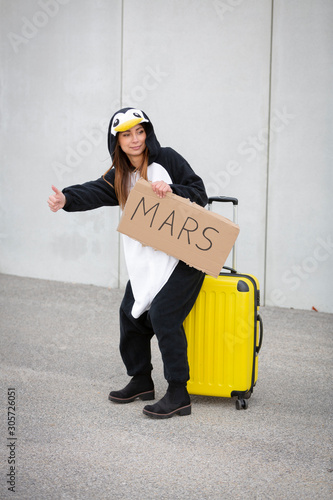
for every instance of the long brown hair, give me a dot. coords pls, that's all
(123, 171)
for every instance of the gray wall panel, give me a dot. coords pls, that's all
(299, 245)
(60, 69)
(203, 72)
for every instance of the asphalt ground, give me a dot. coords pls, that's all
(60, 359)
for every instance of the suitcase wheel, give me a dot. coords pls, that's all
(242, 404)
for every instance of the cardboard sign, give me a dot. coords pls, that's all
(179, 228)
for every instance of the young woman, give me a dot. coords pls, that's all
(161, 290)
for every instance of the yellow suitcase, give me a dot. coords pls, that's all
(224, 332)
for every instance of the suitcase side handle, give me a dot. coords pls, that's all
(261, 333)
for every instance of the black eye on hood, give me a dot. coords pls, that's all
(137, 115)
(116, 122)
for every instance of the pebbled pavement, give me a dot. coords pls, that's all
(59, 350)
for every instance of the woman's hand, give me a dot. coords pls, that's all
(57, 200)
(161, 188)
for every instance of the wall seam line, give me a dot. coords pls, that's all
(268, 150)
(121, 105)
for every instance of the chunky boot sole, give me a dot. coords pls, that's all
(144, 396)
(184, 410)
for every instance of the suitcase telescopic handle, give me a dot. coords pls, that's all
(234, 201)
(222, 199)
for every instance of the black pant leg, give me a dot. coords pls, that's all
(135, 337)
(167, 314)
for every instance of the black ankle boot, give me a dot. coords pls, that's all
(176, 401)
(141, 386)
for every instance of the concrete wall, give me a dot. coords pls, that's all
(238, 87)
(299, 270)
(61, 77)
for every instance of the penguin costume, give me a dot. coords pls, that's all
(161, 290)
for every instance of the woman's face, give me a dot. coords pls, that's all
(133, 141)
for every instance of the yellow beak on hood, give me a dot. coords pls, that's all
(122, 127)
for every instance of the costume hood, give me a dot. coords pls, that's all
(126, 118)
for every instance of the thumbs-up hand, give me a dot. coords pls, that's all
(56, 201)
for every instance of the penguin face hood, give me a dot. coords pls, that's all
(126, 118)
(124, 121)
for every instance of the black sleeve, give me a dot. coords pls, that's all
(90, 195)
(185, 182)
